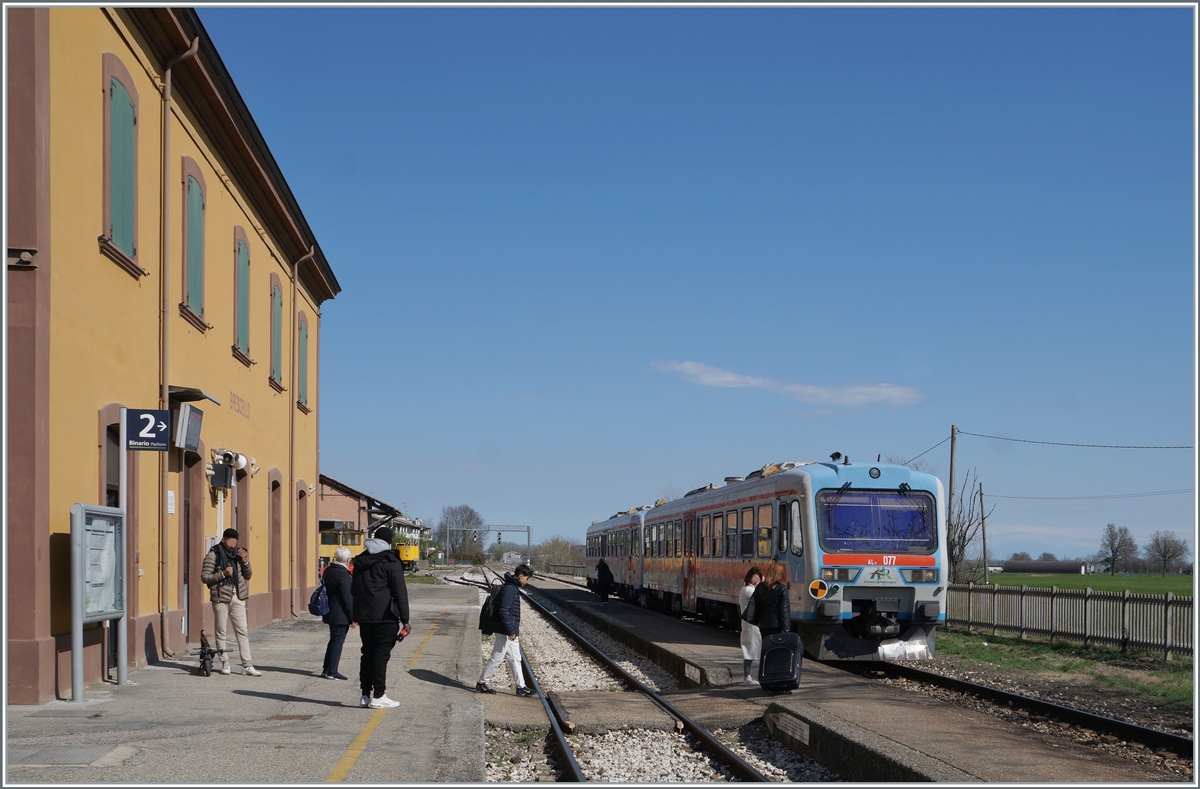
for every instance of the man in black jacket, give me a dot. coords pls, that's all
(380, 606)
(507, 626)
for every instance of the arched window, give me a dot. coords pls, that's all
(276, 379)
(241, 296)
(118, 237)
(302, 363)
(192, 307)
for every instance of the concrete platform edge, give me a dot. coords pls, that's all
(850, 750)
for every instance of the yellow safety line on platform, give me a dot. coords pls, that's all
(344, 765)
(425, 641)
(342, 768)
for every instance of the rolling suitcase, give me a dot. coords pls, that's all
(779, 663)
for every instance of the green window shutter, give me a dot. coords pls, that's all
(120, 161)
(304, 363)
(195, 247)
(243, 298)
(276, 334)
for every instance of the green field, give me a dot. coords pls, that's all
(1142, 674)
(1180, 585)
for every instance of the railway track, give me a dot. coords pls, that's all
(1129, 732)
(1154, 739)
(738, 768)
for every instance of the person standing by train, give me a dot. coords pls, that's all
(773, 611)
(507, 627)
(751, 636)
(604, 581)
(341, 610)
(380, 607)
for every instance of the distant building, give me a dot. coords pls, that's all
(1059, 568)
(346, 516)
(512, 557)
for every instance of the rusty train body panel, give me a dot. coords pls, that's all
(863, 546)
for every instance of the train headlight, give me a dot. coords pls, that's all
(874, 473)
(827, 574)
(920, 576)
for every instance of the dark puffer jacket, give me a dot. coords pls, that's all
(508, 607)
(380, 594)
(772, 609)
(337, 589)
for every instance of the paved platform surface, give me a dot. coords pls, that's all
(862, 729)
(287, 726)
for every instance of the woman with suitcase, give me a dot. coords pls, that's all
(782, 652)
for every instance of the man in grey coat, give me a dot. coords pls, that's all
(226, 570)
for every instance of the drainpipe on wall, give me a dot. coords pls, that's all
(292, 421)
(164, 336)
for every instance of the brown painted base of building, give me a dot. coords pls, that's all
(40, 671)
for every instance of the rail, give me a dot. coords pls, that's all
(573, 772)
(1153, 738)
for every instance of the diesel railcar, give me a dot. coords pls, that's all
(863, 545)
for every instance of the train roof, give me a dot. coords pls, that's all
(823, 474)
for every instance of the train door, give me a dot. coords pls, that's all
(690, 542)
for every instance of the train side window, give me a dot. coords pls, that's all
(731, 529)
(705, 536)
(764, 530)
(718, 535)
(679, 538)
(797, 530)
(748, 532)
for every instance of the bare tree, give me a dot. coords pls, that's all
(1164, 549)
(557, 550)
(964, 529)
(456, 529)
(1117, 545)
(1020, 556)
(671, 492)
(1047, 557)
(915, 465)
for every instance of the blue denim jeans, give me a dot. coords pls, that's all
(333, 652)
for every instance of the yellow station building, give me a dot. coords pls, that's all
(156, 258)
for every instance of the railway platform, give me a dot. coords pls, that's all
(860, 729)
(287, 726)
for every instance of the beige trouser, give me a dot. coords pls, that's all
(504, 648)
(234, 610)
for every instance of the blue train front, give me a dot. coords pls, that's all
(863, 545)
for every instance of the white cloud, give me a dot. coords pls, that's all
(863, 394)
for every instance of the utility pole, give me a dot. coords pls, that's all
(950, 493)
(983, 527)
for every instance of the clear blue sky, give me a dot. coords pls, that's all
(589, 256)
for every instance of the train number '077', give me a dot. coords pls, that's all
(889, 560)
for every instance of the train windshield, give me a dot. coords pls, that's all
(876, 521)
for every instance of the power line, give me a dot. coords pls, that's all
(935, 446)
(1080, 498)
(1059, 443)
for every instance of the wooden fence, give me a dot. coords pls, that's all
(1138, 621)
(569, 569)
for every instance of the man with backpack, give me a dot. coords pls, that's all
(506, 624)
(380, 606)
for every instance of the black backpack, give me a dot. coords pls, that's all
(490, 608)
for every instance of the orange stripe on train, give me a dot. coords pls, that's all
(880, 559)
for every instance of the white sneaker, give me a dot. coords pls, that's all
(226, 670)
(749, 681)
(365, 701)
(381, 702)
(251, 671)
